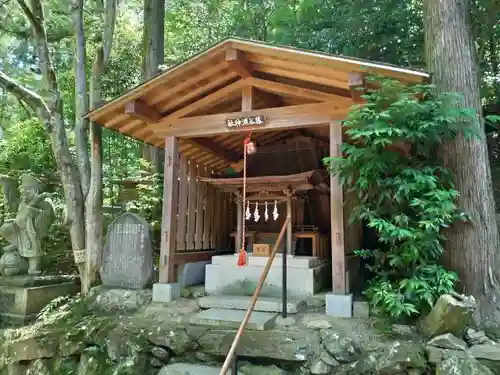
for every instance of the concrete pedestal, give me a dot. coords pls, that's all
(23, 297)
(164, 293)
(339, 305)
(305, 276)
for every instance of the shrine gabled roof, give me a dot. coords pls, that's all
(293, 75)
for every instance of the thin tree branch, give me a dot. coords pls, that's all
(34, 21)
(33, 100)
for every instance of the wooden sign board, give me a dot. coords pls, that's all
(246, 121)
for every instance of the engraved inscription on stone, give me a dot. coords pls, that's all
(7, 300)
(128, 257)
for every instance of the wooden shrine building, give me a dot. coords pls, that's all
(293, 101)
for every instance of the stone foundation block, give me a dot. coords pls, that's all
(339, 305)
(164, 293)
(23, 297)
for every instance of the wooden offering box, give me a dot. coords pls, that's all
(261, 250)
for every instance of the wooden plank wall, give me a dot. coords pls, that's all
(203, 213)
(353, 237)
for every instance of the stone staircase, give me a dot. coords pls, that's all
(227, 311)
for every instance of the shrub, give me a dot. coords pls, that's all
(404, 193)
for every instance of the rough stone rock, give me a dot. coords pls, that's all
(251, 369)
(29, 349)
(124, 342)
(437, 355)
(176, 339)
(68, 347)
(118, 300)
(343, 349)
(207, 358)
(65, 365)
(403, 330)
(449, 315)
(293, 344)
(163, 354)
(474, 337)
(329, 360)
(92, 361)
(489, 352)
(447, 341)
(38, 367)
(318, 324)
(156, 363)
(393, 358)
(15, 369)
(462, 366)
(190, 369)
(133, 365)
(320, 368)
(285, 322)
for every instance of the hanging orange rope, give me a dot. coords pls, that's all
(248, 148)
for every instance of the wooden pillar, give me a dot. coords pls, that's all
(169, 215)
(337, 216)
(239, 223)
(289, 226)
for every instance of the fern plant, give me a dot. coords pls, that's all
(404, 193)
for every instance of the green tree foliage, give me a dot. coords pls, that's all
(407, 197)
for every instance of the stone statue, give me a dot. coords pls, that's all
(34, 217)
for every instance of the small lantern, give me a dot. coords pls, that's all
(251, 148)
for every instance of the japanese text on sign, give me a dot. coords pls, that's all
(245, 121)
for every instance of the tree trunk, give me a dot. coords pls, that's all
(94, 212)
(81, 97)
(472, 247)
(154, 56)
(52, 117)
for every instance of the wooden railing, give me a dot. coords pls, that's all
(246, 318)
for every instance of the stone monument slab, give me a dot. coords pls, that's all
(128, 256)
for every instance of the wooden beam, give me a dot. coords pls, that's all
(237, 62)
(357, 86)
(294, 91)
(140, 110)
(169, 214)
(276, 119)
(247, 98)
(337, 215)
(207, 100)
(210, 146)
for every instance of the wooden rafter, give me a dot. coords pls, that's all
(290, 90)
(213, 147)
(302, 76)
(202, 103)
(140, 110)
(238, 63)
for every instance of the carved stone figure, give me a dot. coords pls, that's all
(34, 217)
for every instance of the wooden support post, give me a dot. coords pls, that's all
(239, 224)
(289, 226)
(169, 215)
(337, 215)
(247, 98)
